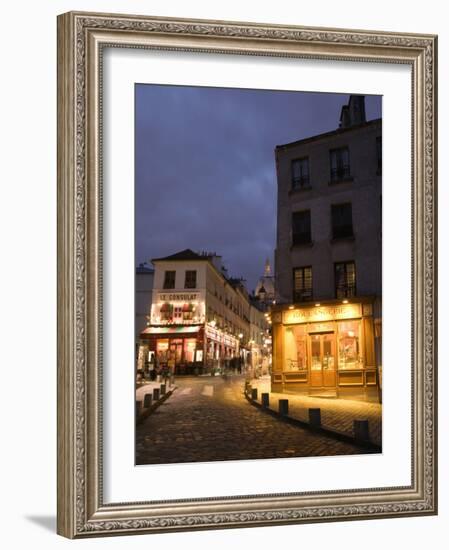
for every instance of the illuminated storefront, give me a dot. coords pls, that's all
(326, 348)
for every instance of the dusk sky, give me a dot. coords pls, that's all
(205, 168)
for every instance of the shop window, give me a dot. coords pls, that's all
(300, 173)
(349, 353)
(166, 312)
(162, 351)
(301, 229)
(339, 159)
(295, 349)
(302, 284)
(342, 221)
(177, 315)
(345, 279)
(169, 279)
(190, 280)
(189, 349)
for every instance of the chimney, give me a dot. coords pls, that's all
(353, 113)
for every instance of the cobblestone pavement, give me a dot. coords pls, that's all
(208, 418)
(336, 414)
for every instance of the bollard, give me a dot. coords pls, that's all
(147, 400)
(254, 394)
(361, 430)
(265, 400)
(138, 407)
(315, 417)
(163, 389)
(156, 394)
(283, 407)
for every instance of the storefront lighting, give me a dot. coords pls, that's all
(317, 305)
(344, 301)
(240, 335)
(291, 307)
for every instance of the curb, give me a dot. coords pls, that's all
(341, 436)
(146, 412)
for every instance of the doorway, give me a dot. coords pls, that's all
(322, 364)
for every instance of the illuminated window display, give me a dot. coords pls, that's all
(349, 356)
(296, 348)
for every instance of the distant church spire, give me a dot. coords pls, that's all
(267, 268)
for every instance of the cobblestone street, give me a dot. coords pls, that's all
(208, 418)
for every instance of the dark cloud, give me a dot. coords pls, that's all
(205, 171)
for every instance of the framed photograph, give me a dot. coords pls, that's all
(246, 274)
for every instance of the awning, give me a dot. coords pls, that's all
(167, 331)
(166, 307)
(187, 307)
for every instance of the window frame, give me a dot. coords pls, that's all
(308, 235)
(338, 231)
(190, 271)
(295, 292)
(165, 286)
(335, 177)
(304, 179)
(349, 291)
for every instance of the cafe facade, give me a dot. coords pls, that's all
(199, 319)
(326, 349)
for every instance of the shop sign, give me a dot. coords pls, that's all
(178, 297)
(318, 314)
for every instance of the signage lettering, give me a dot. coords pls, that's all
(328, 313)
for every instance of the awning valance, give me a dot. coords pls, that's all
(167, 331)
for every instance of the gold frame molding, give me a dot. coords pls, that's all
(81, 39)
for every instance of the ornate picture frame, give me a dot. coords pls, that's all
(82, 38)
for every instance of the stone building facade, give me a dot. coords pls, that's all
(328, 260)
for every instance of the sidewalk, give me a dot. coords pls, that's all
(336, 414)
(148, 388)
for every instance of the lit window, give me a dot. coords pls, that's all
(302, 284)
(345, 280)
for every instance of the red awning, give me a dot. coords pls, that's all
(166, 307)
(187, 307)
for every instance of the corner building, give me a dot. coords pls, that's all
(199, 320)
(327, 319)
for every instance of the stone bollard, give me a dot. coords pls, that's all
(138, 408)
(265, 400)
(283, 407)
(163, 389)
(361, 430)
(254, 394)
(147, 400)
(156, 394)
(315, 417)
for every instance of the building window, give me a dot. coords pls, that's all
(190, 281)
(339, 164)
(344, 279)
(379, 154)
(302, 284)
(342, 221)
(300, 173)
(301, 233)
(169, 279)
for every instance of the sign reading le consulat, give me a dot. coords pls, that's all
(328, 313)
(179, 296)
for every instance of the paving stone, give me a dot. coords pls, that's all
(222, 425)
